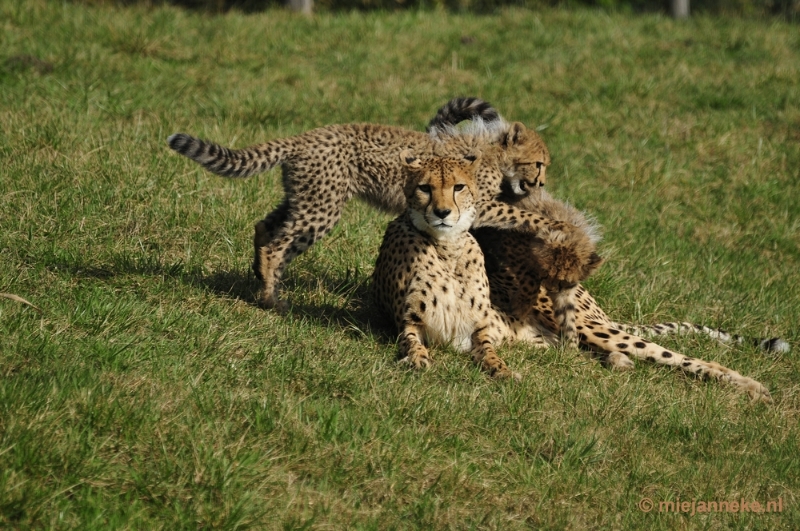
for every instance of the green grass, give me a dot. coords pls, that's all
(150, 392)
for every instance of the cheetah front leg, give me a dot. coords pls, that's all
(564, 313)
(601, 336)
(500, 215)
(565, 246)
(411, 350)
(484, 354)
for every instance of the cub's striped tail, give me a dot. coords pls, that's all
(229, 162)
(774, 344)
(459, 109)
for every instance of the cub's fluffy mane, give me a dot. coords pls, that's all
(540, 201)
(489, 131)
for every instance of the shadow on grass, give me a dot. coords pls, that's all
(358, 314)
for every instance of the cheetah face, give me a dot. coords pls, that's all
(441, 194)
(526, 159)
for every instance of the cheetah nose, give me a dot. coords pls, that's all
(441, 213)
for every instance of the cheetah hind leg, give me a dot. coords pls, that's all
(263, 256)
(604, 337)
(614, 360)
(279, 239)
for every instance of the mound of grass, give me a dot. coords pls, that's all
(150, 392)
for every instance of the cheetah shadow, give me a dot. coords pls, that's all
(356, 313)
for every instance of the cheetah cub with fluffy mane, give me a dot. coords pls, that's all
(430, 272)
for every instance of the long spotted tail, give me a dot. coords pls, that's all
(774, 344)
(459, 109)
(230, 162)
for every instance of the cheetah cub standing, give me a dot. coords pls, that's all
(430, 271)
(325, 167)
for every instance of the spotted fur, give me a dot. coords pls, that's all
(518, 290)
(774, 345)
(430, 273)
(325, 167)
(529, 282)
(466, 114)
(556, 261)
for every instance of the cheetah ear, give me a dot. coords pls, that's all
(409, 160)
(515, 135)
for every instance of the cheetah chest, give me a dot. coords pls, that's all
(452, 288)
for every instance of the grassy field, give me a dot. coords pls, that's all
(147, 391)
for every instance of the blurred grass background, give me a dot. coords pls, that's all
(786, 9)
(150, 392)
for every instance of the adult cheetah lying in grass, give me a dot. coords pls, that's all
(324, 168)
(430, 275)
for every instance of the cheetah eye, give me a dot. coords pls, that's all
(458, 187)
(424, 188)
(539, 165)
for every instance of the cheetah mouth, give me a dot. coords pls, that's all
(441, 225)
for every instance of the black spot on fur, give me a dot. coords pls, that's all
(666, 354)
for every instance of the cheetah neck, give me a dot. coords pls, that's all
(449, 248)
(450, 251)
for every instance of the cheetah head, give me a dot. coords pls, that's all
(525, 159)
(441, 194)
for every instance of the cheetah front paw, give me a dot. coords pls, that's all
(417, 359)
(504, 373)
